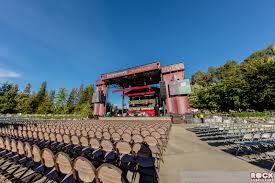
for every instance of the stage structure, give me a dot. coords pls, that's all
(139, 84)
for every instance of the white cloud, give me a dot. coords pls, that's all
(8, 74)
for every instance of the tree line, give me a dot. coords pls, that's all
(77, 101)
(237, 86)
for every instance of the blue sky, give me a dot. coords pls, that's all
(69, 42)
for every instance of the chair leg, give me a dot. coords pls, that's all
(272, 167)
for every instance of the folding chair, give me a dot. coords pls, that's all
(108, 173)
(64, 167)
(84, 170)
(126, 159)
(48, 161)
(109, 154)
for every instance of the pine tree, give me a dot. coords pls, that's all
(80, 95)
(71, 100)
(24, 101)
(88, 94)
(60, 104)
(39, 98)
(8, 100)
(51, 100)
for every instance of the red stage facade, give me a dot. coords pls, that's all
(142, 77)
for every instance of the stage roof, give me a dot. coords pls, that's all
(137, 76)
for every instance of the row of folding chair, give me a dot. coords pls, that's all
(105, 145)
(156, 145)
(60, 166)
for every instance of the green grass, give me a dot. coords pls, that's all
(251, 114)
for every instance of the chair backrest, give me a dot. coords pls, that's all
(123, 147)
(84, 133)
(48, 158)
(126, 137)
(66, 139)
(2, 143)
(145, 133)
(150, 140)
(108, 173)
(98, 135)
(30, 134)
(40, 135)
(63, 163)
(52, 137)
(115, 136)
(13, 146)
(59, 138)
(46, 136)
(137, 138)
(20, 148)
(107, 145)
(91, 134)
(84, 141)
(35, 135)
(28, 150)
(84, 170)
(106, 135)
(75, 140)
(94, 143)
(7, 144)
(156, 135)
(136, 148)
(141, 149)
(36, 153)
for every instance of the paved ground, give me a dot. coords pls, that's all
(189, 160)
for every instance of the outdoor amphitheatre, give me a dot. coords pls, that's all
(168, 133)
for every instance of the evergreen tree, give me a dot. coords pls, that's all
(233, 86)
(51, 100)
(88, 94)
(60, 104)
(8, 101)
(81, 95)
(5, 87)
(24, 101)
(39, 98)
(45, 106)
(72, 100)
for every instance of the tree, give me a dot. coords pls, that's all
(88, 94)
(45, 105)
(8, 101)
(72, 100)
(80, 95)
(5, 87)
(51, 100)
(200, 78)
(234, 86)
(27, 89)
(24, 101)
(39, 98)
(60, 104)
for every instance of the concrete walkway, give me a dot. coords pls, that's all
(188, 160)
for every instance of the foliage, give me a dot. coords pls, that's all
(250, 114)
(45, 102)
(233, 86)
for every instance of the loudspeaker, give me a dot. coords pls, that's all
(162, 89)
